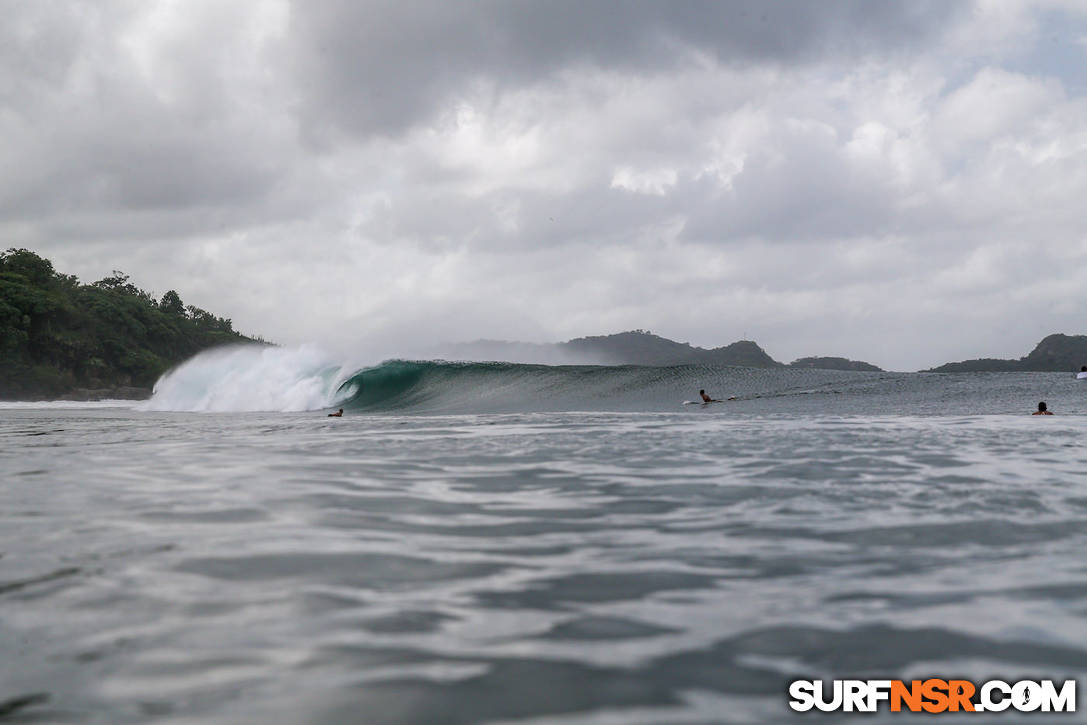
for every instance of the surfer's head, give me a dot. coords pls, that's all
(701, 392)
(1041, 407)
(1083, 369)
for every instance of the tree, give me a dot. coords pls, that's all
(171, 304)
(25, 263)
(118, 282)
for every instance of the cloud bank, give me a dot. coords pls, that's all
(898, 183)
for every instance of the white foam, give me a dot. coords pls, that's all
(250, 378)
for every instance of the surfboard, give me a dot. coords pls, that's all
(703, 402)
(1081, 376)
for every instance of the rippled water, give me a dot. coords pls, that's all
(540, 568)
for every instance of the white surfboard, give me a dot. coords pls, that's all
(1081, 376)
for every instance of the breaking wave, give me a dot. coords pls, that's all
(257, 378)
(263, 378)
(251, 378)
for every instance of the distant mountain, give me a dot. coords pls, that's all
(644, 348)
(637, 347)
(980, 365)
(1055, 353)
(834, 363)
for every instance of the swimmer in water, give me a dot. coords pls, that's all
(337, 414)
(1042, 410)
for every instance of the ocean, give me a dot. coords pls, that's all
(498, 543)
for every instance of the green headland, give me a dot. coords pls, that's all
(62, 338)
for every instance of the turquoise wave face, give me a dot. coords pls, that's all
(496, 387)
(382, 385)
(255, 378)
(473, 387)
(407, 384)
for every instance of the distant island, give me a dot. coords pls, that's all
(1055, 353)
(637, 347)
(109, 339)
(834, 363)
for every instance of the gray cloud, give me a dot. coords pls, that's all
(893, 182)
(100, 120)
(382, 65)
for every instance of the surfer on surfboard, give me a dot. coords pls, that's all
(708, 399)
(337, 414)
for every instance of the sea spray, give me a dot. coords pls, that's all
(252, 378)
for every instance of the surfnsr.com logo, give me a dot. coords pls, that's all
(932, 696)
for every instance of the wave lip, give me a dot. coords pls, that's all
(246, 378)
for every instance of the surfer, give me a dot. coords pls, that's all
(1042, 410)
(337, 414)
(708, 399)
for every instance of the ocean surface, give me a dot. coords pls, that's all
(522, 544)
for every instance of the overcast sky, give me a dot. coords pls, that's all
(902, 183)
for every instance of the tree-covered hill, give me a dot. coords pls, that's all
(635, 347)
(57, 335)
(1055, 353)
